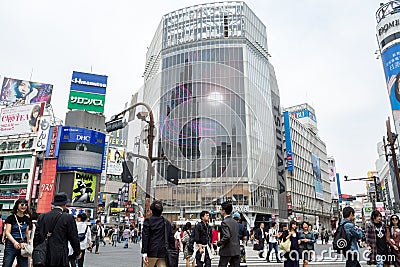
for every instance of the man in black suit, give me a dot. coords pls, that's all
(63, 228)
(229, 251)
(153, 239)
(260, 236)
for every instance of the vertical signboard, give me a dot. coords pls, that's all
(368, 208)
(288, 139)
(87, 92)
(47, 185)
(52, 143)
(333, 183)
(316, 166)
(43, 134)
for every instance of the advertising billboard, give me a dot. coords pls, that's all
(332, 179)
(305, 113)
(288, 138)
(22, 92)
(84, 189)
(43, 134)
(21, 119)
(391, 66)
(87, 92)
(115, 159)
(316, 165)
(80, 149)
(47, 186)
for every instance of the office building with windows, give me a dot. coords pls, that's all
(216, 101)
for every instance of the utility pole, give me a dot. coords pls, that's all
(392, 137)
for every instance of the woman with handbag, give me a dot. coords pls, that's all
(17, 234)
(393, 239)
(292, 256)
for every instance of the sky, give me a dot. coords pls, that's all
(323, 53)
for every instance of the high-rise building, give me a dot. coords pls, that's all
(215, 96)
(307, 163)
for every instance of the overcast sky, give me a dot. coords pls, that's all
(322, 51)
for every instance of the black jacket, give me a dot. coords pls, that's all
(153, 239)
(229, 241)
(64, 230)
(203, 234)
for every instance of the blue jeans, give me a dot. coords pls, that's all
(126, 243)
(380, 260)
(275, 247)
(10, 252)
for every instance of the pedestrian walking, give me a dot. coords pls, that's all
(292, 257)
(178, 239)
(98, 230)
(273, 242)
(315, 237)
(243, 234)
(353, 234)
(63, 228)
(17, 234)
(229, 250)
(114, 236)
(187, 255)
(375, 233)
(135, 235)
(259, 239)
(126, 234)
(214, 239)
(393, 238)
(203, 237)
(306, 243)
(154, 251)
(86, 243)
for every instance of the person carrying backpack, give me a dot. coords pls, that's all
(346, 237)
(187, 252)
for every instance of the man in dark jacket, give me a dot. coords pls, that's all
(260, 236)
(229, 251)
(153, 240)
(203, 237)
(63, 228)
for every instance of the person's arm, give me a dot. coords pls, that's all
(89, 237)
(9, 237)
(145, 239)
(72, 233)
(226, 234)
(197, 233)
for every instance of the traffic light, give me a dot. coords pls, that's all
(112, 126)
(172, 174)
(127, 167)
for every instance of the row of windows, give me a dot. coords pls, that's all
(14, 178)
(8, 163)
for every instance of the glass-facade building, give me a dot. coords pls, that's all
(211, 88)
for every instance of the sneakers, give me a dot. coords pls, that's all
(96, 252)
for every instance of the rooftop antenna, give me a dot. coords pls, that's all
(30, 78)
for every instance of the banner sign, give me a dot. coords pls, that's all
(53, 142)
(24, 92)
(288, 138)
(316, 165)
(87, 92)
(115, 159)
(368, 208)
(84, 188)
(43, 134)
(332, 179)
(305, 113)
(21, 119)
(47, 185)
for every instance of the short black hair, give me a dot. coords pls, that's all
(227, 207)
(273, 224)
(82, 216)
(347, 211)
(204, 212)
(98, 221)
(156, 207)
(305, 223)
(375, 214)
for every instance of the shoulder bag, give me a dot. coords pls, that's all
(39, 254)
(172, 257)
(82, 236)
(26, 250)
(285, 245)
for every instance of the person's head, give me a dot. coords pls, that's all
(35, 112)
(81, 217)
(117, 155)
(262, 225)
(236, 216)
(293, 226)
(284, 228)
(188, 226)
(348, 213)
(305, 226)
(394, 220)
(274, 225)
(376, 216)
(205, 216)
(156, 208)
(60, 200)
(21, 205)
(98, 222)
(226, 208)
(24, 87)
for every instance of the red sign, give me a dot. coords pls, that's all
(53, 142)
(22, 193)
(47, 185)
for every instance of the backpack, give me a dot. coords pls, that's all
(186, 237)
(82, 236)
(341, 243)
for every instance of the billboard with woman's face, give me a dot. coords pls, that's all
(25, 92)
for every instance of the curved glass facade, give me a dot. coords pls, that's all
(212, 97)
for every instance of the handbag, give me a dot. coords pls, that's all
(285, 246)
(26, 250)
(172, 257)
(39, 254)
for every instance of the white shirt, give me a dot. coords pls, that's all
(81, 226)
(271, 232)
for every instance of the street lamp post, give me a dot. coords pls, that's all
(116, 123)
(374, 178)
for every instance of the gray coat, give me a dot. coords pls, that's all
(229, 241)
